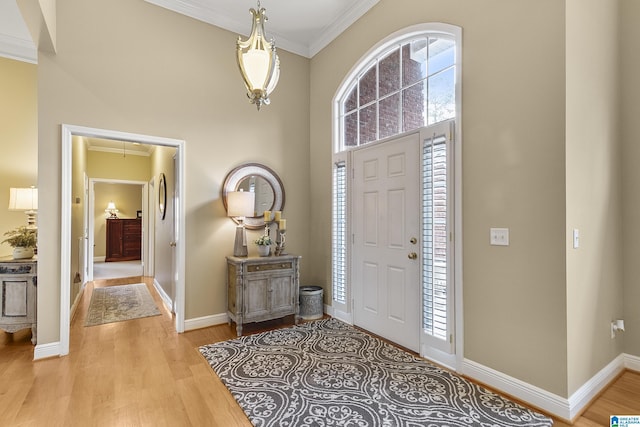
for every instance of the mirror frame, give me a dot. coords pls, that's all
(254, 169)
(162, 196)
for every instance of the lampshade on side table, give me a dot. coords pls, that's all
(240, 204)
(25, 199)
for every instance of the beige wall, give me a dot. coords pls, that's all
(18, 138)
(513, 172)
(118, 166)
(594, 204)
(630, 112)
(162, 74)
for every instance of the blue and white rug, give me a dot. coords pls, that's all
(327, 373)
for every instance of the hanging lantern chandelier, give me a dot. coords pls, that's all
(258, 61)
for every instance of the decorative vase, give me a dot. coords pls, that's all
(263, 250)
(22, 253)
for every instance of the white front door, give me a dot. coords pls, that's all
(386, 246)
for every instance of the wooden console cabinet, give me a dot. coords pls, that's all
(262, 288)
(18, 291)
(124, 239)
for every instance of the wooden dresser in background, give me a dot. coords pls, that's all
(124, 239)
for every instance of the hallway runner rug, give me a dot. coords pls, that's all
(119, 303)
(327, 373)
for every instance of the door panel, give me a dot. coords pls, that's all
(386, 207)
(397, 294)
(370, 277)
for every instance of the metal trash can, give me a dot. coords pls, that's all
(311, 302)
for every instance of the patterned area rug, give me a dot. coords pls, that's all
(119, 303)
(327, 373)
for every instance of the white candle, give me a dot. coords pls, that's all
(283, 224)
(267, 216)
(278, 215)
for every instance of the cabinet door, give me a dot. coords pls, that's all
(18, 299)
(114, 239)
(256, 297)
(282, 293)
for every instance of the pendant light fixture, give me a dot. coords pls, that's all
(258, 61)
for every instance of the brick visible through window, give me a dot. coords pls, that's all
(410, 85)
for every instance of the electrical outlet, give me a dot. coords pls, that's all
(499, 237)
(616, 325)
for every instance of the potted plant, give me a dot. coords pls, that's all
(264, 245)
(23, 240)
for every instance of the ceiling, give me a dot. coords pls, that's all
(301, 27)
(15, 40)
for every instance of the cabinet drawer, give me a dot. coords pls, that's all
(269, 267)
(131, 227)
(18, 268)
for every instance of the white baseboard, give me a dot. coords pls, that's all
(43, 351)
(340, 315)
(99, 258)
(532, 395)
(166, 299)
(585, 394)
(566, 409)
(205, 322)
(76, 302)
(632, 362)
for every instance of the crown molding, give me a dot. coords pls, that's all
(18, 49)
(207, 12)
(340, 25)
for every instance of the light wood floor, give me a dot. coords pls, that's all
(142, 373)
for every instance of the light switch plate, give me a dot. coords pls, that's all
(499, 236)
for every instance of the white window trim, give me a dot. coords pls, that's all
(427, 29)
(359, 67)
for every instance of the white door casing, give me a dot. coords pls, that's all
(68, 131)
(386, 246)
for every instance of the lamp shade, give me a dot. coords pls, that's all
(23, 199)
(240, 203)
(111, 206)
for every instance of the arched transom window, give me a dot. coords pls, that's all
(409, 85)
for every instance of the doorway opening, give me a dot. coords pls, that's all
(175, 243)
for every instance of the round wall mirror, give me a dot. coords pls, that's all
(162, 196)
(262, 181)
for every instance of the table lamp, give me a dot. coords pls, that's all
(240, 204)
(25, 199)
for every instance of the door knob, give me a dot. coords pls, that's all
(413, 240)
(172, 244)
(413, 255)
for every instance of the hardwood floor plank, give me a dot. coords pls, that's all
(141, 372)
